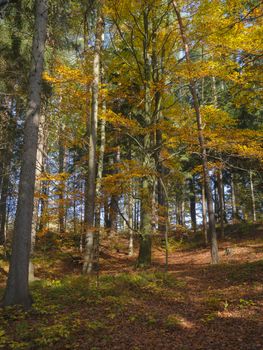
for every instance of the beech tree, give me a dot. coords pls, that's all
(154, 127)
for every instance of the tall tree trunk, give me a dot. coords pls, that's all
(254, 214)
(98, 184)
(233, 199)
(91, 181)
(100, 163)
(193, 204)
(5, 179)
(221, 201)
(61, 186)
(204, 213)
(193, 91)
(3, 204)
(114, 202)
(145, 249)
(216, 198)
(39, 171)
(130, 220)
(17, 289)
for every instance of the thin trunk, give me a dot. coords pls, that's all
(114, 202)
(98, 185)
(130, 220)
(182, 213)
(233, 199)
(61, 186)
(216, 198)
(100, 164)
(254, 214)
(3, 205)
(17, 289)
(39, 171)
(91, 181)
(130, 203)
(221, 201)
(145, 249)
(204, 214)
(193, 204)
(193, 91)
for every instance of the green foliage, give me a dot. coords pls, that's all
(172, 321)
(211, 316)
(244, 303)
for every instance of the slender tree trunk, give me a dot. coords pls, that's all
(130, 220)
(183, 212)
(204, 213)
(233, 199)
(254, 214)
(3, 205)
(100, 164)
(91, 181)
(17, 289)
(216, 198)
(145, 249)
(221, 201)
(178, 211)
(7, 134)
(61, 186)
(114, 202)
(39, 171)
(6, 158)
(98, 184)
(193, 91)
(193, 204)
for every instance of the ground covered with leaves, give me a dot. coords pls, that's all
(192, 306)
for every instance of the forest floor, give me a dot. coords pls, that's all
(195, 305)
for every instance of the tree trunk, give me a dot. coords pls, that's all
(17, 289)
(39, 171)
(145, 249)
(192, 204)
(91, 181)
(254, 214)
(193, 91)
(233, 199)
(61, 186)
(221, 201)
(100, 164)
(130, 220)
(3, 205)
(204, 213)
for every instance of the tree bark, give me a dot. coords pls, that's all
(61, 186)
(254, 213)
(39, 171)
(233, 199)
(221, 201)
(204, 213)
(93, 122)
(193, 204)
(17, 289)
(145, 250)
(3, 205)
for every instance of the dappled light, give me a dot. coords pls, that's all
(131, 162)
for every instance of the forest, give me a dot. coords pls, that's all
(131, 182)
